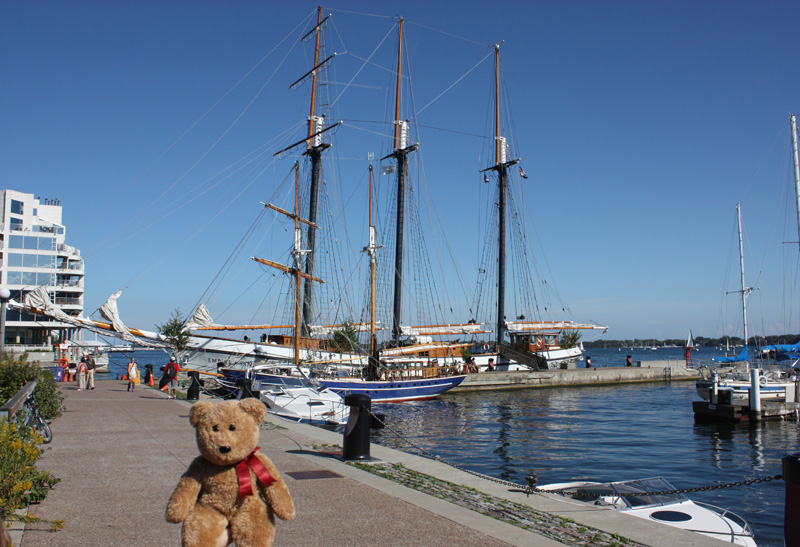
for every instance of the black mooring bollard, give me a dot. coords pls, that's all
(193, 391)
(791, 476)
(148, 373)
(245, 389)
(356, 432)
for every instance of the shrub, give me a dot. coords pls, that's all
(16, 372)
(21, 484)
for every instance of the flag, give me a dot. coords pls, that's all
(485, 178)
(522, 173)
(388, 169)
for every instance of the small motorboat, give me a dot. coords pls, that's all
(646, 498)
(288, 392)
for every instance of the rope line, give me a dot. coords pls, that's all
(529, 489)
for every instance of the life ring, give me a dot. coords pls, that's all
(762, 380)
(486, 347)
(63, 363)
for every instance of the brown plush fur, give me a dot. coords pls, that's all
(207, 498)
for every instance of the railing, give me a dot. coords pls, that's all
(68, 301)
(14, 403)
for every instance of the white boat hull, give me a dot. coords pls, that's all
(671, 509)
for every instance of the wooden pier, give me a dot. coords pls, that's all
(706, 411)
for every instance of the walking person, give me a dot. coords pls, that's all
(82, 372)
(171, 377)
(133, 373)
(90, 366)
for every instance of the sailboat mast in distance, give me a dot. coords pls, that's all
(796, 158)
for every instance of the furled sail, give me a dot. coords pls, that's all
(201, 318)
(39, 299)
(109, 311)
(744, 355)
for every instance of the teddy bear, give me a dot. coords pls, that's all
(231, 491)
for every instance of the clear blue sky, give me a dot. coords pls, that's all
(640, 124)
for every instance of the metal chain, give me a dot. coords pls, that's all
(583, 493)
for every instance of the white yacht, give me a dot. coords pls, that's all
(644, 499)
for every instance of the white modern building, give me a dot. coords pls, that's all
(33, 253)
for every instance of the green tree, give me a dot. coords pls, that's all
(569, 338)
(345, 338)
(176, 334)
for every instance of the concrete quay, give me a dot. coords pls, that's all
(645, 371)
(120, 454)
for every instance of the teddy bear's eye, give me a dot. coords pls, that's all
(215, 428)
(232, 427)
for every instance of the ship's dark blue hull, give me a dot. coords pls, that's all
(394, 392)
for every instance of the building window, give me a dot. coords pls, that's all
(15, 260)
(15, 224)
(14, 278)
(15, 242)
(17, 207)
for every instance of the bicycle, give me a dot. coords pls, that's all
(33, 419)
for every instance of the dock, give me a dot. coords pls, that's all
(706, 411)
(120, 454)
(644, 371)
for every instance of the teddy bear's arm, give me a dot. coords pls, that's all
(184, 497)
(277, 494)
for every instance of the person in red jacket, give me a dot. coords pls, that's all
(171, 374)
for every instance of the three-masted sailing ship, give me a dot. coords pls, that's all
(410, 354)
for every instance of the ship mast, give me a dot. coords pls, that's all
(315, 147)
(796, 158)
(401, 151)
(371, 250)
(501, 166)
(745, 290)
(297, 258)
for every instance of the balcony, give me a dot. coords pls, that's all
(65, 301)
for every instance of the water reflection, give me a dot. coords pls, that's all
(604, 433)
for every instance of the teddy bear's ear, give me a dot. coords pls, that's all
(199, 412)
(255, 408)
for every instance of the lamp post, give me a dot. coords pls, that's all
(5, 296)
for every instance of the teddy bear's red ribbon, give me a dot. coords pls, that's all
(243, 474)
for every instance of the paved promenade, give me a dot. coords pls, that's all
(120, 455)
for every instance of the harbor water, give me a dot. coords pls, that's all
(604, 433)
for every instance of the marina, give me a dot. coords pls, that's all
(605, 433)
(476, 365)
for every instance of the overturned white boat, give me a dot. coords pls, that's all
(648, 499)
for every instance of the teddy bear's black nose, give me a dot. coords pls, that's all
(224, 449)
